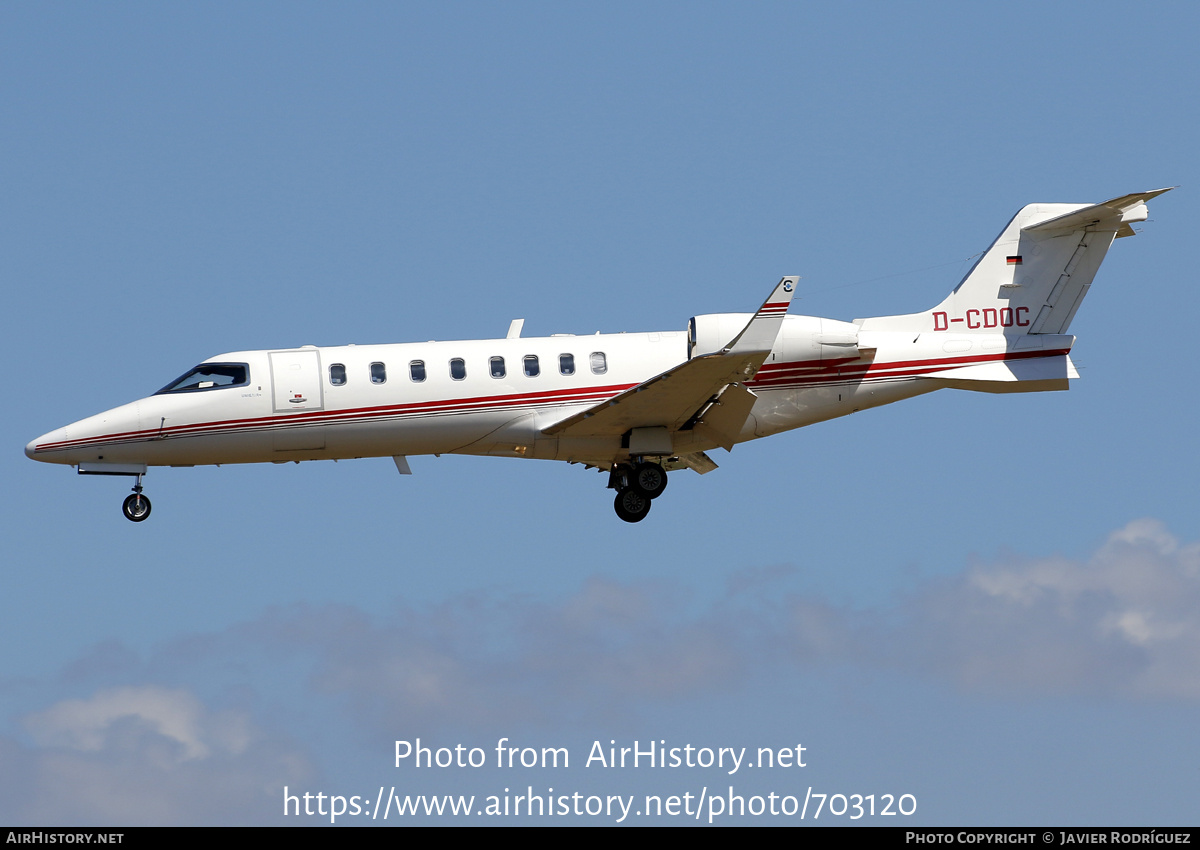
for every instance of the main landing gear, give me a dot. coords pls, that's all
(136, 507)
(637, 485)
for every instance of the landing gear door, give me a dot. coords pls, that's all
(296, 380)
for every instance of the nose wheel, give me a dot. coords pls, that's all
(136, 507)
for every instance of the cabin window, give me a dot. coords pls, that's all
(532, 369)
(337, 374)
(599, 363)
(416, 370)
(566, 364)
(458, 369)
(210, 376)
(496, 365)
(378, 373)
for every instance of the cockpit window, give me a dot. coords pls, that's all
(210, 376)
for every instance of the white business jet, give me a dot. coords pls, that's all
(636, 405)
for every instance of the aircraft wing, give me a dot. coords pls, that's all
(678, 397)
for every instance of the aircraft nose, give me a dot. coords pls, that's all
(31, 447)
(91, 439)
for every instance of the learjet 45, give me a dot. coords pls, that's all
(635, 405)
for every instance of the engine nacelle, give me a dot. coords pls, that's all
(800, 338)
(714, 331)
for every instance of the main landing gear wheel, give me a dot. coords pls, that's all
(632, 506)
(136, 507)
(650, 478)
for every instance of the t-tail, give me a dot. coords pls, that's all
(1022, 294)
(1035, 275)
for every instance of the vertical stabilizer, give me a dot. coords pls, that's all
(1034, 276)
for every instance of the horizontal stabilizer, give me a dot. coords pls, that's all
(1118, 211)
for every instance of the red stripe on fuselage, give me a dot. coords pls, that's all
(793, 375)
(513, 400)
(840, 371)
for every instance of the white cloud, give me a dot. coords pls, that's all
(1125, 622)
(145, 755)
(175, 715)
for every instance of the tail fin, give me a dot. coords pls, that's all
(1033, 278)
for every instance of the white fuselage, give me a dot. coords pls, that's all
(639, 405)
(355, 401)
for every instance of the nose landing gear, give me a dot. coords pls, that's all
(136, 507)
(636, 485)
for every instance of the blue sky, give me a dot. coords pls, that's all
(987, 602)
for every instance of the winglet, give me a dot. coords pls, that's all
(760, 332)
